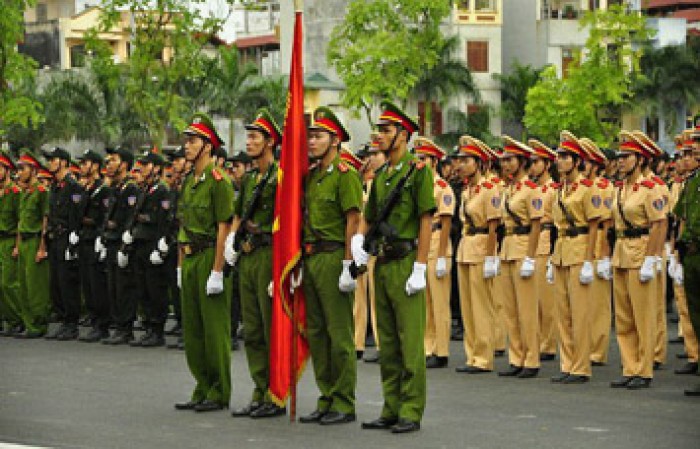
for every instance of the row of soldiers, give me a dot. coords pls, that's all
(535, 259)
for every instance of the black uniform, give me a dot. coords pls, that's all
(64, 218)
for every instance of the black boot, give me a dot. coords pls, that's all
(69, 332)
(153, 339)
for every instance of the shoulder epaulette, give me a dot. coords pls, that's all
(441, 183)
(603, 183)
(16, 189)
(531, 184)
(649, 184)
(555, 185)
(678, 179)
(496, 179)
(487, 185)
(619, 183)
(587, 182)
(41, 188)
(658, 180)
(343, 167)
(216, 174)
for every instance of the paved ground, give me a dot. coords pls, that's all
(77, 395)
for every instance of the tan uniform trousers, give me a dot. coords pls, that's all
(364, 292)
(635, 322)
(438, 319)
(690, 340)
(478, 315)
(574, 307)
(500, 331)
(600, 319)
(547, 308)
(661, 345)
(520, 306)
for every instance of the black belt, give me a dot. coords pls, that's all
(396, 250)
(437, 226)
(325, 246)
(29, 235)
(576, 231)
(193, 248)
(255, 241)
(474, 230)
(632, 233)
(601, 225)
(519, 230)
(7, 234)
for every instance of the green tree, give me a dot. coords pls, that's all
(514, 88)
(591, 99)
(476, 124)
(167, 43)
(449, 77)
(382, 47)
(16, 70)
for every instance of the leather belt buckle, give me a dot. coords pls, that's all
(247, 247)
(187, 249)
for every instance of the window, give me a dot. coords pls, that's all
(463, 5)
(435, 118)
(478, 56)
(41, 12)
(77, 56)
(485, 5)
(568, 56)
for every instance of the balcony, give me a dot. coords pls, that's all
(478, 12)
(560, 10)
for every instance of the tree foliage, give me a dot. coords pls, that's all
(382, 48)
(16, 70)
(599, 84)
(514, 88)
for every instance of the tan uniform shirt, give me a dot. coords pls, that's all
(522, 199)
(481, 203)
(583, 202)
(641, 204)
(606, 189)
(544, 244)
(445, 201)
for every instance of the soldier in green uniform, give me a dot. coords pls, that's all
(93, 275)
(333, 199)
(9, 207)
(400, 277)
(253, 224)
(151, 245)
(33, 268)
(205, 209)
(688, 211)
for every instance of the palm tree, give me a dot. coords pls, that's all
(231, 86)
(475, 124)
(514, 87)
(449, 77)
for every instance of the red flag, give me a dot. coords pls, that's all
(288, 346)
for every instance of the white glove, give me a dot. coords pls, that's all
(585, 277)
(359, 254)
(678, 275)
(672, 262)
(603, 269)
(441, 267)
(98, 245)
(346, 283)
(230, 255)
(215, 283)
(69, 256)
(527, 269)
(646, 273)
(295, 280)
(127, 238)
(416, 281)
(659, 264)
(162, 245)
(549, 275)
(122, 259)
(73, 238)
(178, 272)
(269, 290)
(498, 265)
(490, 266)
(668, 249)
(155, 258)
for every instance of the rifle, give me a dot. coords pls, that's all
(242, 231)
(380, 227)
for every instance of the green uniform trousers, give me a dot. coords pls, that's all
(691, 265)
(206, 327)
(329, 323)
(255, 275)
(34, 300)
(9, 285)
(401, 326)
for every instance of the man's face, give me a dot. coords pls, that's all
(690, 160)
(194, 145)
(387, 133)
(179, 165)
(54, 164)
(3, 172)
(319, 142)
(24, 172)
(112, 166)
(86, 167)
(147, 170)
(256, 142)
(137, 174)
(238, 170)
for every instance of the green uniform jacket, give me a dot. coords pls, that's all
(688, 208)
(204, 202)
(264, 214)
(33, 207)
(9, 210)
